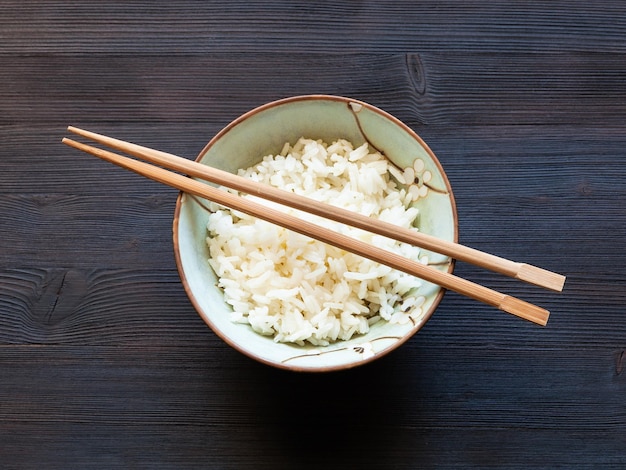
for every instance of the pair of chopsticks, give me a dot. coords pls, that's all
(192, 169)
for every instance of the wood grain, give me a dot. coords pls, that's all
(325, 27)
(77, 306)
(420, 88)
(135, 405)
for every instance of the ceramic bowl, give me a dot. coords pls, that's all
(264, 131)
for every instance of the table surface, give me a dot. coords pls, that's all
(104, 362)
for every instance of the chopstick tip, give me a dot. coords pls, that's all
(71, 143)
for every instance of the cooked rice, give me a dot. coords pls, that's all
(295, 288)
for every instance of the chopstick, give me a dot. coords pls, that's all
(521, 271)
(446, 280)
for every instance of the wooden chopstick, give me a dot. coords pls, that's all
(446, 280)
(522, 271)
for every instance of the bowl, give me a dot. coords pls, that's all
(263, 131)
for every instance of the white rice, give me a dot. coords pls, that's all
(297, 289)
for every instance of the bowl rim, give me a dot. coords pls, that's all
(299, 98)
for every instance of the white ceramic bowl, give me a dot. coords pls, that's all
(263, 131)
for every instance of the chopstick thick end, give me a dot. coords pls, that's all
(541, 277)
(524, 310)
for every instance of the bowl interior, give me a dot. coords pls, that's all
(264, 131)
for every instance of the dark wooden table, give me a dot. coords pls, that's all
(105, 364)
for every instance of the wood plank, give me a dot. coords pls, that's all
(34, 161)
(96, 306)
(589, 313)
(70, 230)
(218, 445)
(426, 89)
(122, 214)
(179, 406)
(550, 385)
(100, 306)
(327, 27)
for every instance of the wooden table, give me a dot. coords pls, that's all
(105, 364)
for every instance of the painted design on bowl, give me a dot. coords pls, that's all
(416, 178)
(365, 350)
